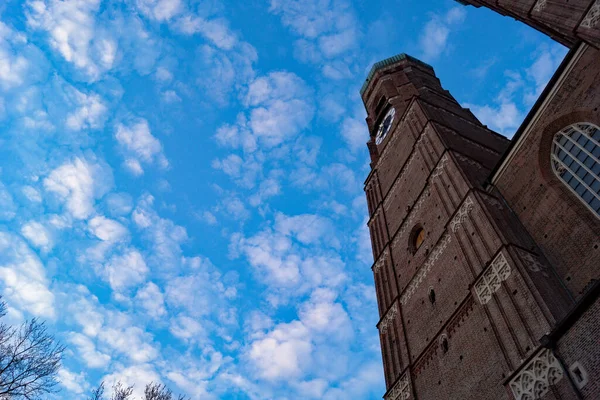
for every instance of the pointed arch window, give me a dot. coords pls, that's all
(576, 161)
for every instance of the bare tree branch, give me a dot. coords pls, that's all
(29, 359)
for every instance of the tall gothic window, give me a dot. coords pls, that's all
(576, 161)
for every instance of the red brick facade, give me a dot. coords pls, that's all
(480, 250)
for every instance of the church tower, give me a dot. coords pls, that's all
(464, 293)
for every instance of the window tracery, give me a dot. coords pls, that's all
(576, 162)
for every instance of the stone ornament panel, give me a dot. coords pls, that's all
(422, 273)
(388, 320)
(462, 214)
(377, 266)
(534, 380)
(468, 160)
(592, 17)
(494, 202)
(539, 6)
(440, 168)
(401, 390)
(532, 263)
(492, 278)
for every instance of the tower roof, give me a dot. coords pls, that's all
(387, 62)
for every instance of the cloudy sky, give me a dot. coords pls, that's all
(181, 180)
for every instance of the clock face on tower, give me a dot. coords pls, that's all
(385, 125)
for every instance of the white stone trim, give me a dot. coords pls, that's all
(592, 17)
(420, 275)
(380, 262)
(539, 6)
(532, 262)
(584, 375)
(494, 202)
(401, 390)
(468, 161)
(462, 214)
(534, 380)
(388, 319)
(492, 278)
(440, 168)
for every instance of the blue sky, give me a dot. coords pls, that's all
(181, 186)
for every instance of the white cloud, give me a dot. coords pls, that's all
(502, 118)
(219, 71)
(328, 27)
(131, 341)
(323, 315)
(151, 299)
(32, 194)
(520, 91)
(283, 353)
(547, 61)
(165, 237)
(8, 208)
(24, 278)
(160, 10)
(216, 30)
(355, 133)
(139, 146)
(107, 229)
(306, 228)
(171, 96)
(71, 29)
(73, 382)
(281, 107)
(126, 270)
(38, 235)
(137, 375)
(434, 38)
(163, 74)
(88, 352)
(14, 65)
(89, 114)
(78, 183)
(186, 329)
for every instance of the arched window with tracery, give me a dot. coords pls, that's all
(576, 161)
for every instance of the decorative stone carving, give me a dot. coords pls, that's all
(440, 167)
(492, 278)
(420, 275)
(401, 390)
(467, 160)
(534, 380)
(532, 262)
(592, 17)
(494, 202)
(539, 6)
(388, 319)
(462, 214)
(380, 262)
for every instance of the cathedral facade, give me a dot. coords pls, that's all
(486, 250)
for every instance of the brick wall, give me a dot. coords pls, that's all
(566, 231)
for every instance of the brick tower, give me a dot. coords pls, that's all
(464, 292)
